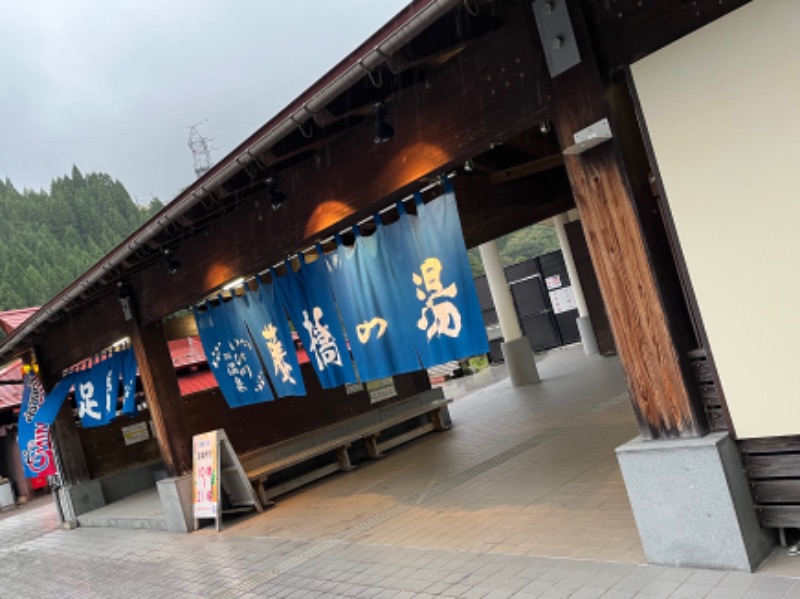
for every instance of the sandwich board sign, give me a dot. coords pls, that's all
(216, 471)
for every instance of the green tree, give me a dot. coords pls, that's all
(50, 237)
(519, 246)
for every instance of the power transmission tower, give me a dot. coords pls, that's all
(201, 152)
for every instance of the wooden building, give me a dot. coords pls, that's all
(698, 101)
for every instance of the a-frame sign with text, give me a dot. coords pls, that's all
(216, 471)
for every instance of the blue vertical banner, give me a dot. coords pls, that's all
(96, 392)
(33, 437)
(231, 355)
(307, 297)
(263, 314)
(374, 307)
(430, 259)
(128, 370)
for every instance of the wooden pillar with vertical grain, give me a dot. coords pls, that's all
(163, 395)
(659, 389)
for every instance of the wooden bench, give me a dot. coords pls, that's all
(772, 467)
(261, 464)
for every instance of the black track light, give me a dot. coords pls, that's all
(173, 264)
(383, 130)
(276, 196)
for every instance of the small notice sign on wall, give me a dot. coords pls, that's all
(135, 433)
(563, 300)
(381, 389)
(553, 282)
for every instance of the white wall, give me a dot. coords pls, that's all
(722, 106)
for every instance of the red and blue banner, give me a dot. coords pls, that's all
(33, 437)
(47, 412)
(231, 354)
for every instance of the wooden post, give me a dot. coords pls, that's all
(603, 194)
(163, 396)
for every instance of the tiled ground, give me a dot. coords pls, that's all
(522, 498)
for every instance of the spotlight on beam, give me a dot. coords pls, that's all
(383, 130)
(173, 264)
(276, 196)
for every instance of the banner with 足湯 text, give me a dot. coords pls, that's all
(97, 391)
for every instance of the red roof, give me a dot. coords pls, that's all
(13, 318)
(195, 382)
(10, 395)
(187, 352)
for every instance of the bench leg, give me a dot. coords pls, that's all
(261, 492)
(440, 422)
(371, 444)
(343, 457)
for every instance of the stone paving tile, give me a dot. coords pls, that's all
(537, 511)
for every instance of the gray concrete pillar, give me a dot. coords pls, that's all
(517, 351)
(692, 503)
(584, 321)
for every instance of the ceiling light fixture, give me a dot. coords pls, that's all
(383, 130)
(276, 196)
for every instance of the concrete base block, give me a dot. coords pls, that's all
(129, 482)
(176, 501)
(80, 499)
(521, 365)
(692, 504)
(586, 332)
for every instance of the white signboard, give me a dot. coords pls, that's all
(215, 467)
(563, 300)
(553, 282)
(135, 433)
(205, 475)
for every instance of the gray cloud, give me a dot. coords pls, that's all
(114, 86)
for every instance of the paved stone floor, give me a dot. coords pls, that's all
(522, 498)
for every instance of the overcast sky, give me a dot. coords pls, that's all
(114, 85)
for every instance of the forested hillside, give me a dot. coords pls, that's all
(519, 246)
(48, 239)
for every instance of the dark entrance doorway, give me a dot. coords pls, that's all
(538, 287)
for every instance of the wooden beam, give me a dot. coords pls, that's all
(627, 30)
(603, 195)
(81, 335)
(490, 211)
(163, 397)
(527, 169)
(180, 327)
